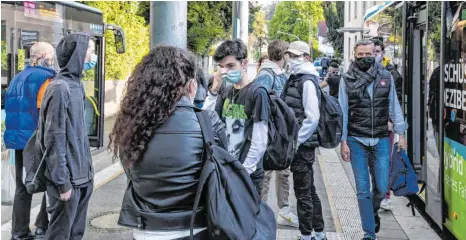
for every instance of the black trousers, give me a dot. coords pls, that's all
(309, 206)
(22, 204)
(68, 219)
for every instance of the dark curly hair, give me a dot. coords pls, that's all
(156, 85)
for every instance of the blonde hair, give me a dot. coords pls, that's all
(37, 50)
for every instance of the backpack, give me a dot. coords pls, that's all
(330, 126)
(34, 166)
(282, 131)
(234, 209)
(403, 179)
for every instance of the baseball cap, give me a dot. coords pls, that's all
(299, 48)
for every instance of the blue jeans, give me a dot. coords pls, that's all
(376, 161)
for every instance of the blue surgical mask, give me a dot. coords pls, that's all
(233, 76)
(91, 64)
(453, 116)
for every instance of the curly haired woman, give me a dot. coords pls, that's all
(158, 139)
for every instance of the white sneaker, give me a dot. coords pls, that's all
(287, 218)
(386, 204)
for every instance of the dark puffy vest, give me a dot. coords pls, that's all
(292, 96)
(366, 117)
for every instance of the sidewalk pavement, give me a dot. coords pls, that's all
(334, 183)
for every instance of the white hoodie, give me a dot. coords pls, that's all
(310, 102)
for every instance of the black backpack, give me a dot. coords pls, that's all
(234, 209)
(34, 166)
(330, 126)
(282, 131)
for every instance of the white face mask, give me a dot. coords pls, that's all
(378, 58)
(295, 62)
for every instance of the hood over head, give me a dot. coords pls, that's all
(71, 54)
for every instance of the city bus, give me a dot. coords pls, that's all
(426, 41)
(27, 22)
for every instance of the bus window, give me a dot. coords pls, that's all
(453, 72)
(7, 34)
(92, 80)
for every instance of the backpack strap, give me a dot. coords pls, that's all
(207, 168)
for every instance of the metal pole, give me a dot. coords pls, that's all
(235, 19)
(244, 19)
(240, 16)
(168, 23)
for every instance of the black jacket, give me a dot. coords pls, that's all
(61, 129)
(292, 95)
(162, 185)
(398, 81)
(368, 117)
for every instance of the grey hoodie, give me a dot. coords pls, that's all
(62, 133)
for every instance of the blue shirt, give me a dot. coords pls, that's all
(396, 115)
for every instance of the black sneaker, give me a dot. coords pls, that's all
(377, 223)
(368, 238)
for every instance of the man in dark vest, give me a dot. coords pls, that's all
(301, 93)
(368, 100)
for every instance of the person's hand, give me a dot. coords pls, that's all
(402, 143)
(345, 151)
(217, 82)
(390, 126)
(66, 196)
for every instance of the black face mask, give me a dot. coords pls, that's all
(364, 63)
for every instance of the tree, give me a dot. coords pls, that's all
(297, 18)
(334, 17)
(124, 14)
(252, 17)
(207, 22)
(259, 29)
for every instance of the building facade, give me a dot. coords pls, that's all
(354, 17)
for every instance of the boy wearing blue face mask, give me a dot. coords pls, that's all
(301, 94)
(243, 107)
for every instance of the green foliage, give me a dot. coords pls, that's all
(207, 22)
(259, 29)
(334, 18)
(124, 14)
(4, 56)
(21, 59)
(252, 17)
(434, 36)
(297, 18)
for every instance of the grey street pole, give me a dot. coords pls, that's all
(240, 18)
(168, 23)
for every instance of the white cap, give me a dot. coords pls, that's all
(299, 48)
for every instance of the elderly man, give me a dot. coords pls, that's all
(22, 103)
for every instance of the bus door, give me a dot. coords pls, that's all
(94, 88)
(24, 23)
(423, 58)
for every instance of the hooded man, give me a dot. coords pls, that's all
(22, 103)
(64, 141)
(302, 94)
